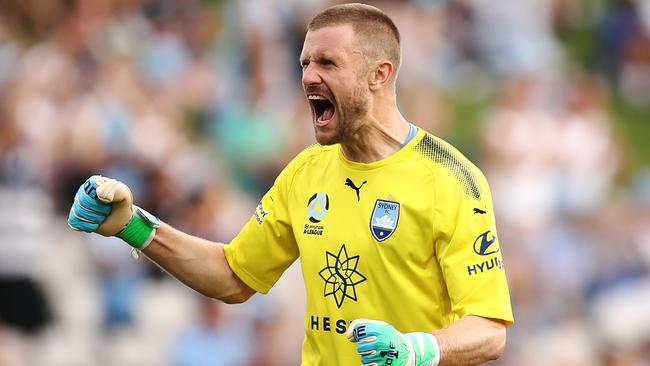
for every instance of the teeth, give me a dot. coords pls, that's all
(315, 97)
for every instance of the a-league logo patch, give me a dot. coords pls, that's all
(384, 219)
(317, 207)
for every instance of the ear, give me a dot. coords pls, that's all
(381, 74)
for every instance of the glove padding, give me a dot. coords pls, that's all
(380, 344)
(101, 205)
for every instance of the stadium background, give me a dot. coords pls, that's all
(197, 105)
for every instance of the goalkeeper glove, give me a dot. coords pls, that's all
(379, 344)
(105, 206)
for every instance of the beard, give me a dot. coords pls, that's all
(351, 110)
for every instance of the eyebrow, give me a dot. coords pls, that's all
(319, 58)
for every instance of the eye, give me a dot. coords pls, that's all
(304, 63)
(327, 62)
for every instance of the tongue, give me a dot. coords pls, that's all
(327, 114)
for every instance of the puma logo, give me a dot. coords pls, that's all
(350, 183)
(478, 211)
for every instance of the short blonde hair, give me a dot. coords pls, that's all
(379, 36)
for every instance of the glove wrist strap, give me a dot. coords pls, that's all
(140, 230)
(427, 350)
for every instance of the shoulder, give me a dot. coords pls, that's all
(309, 154)
(449, 165)
(312, 151)
(306, 158)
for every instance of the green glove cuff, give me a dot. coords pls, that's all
(139, 232)
(427, 350)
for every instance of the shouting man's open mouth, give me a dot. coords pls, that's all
(322, 108)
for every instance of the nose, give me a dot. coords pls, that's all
(310, 75)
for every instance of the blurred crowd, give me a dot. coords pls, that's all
(197, 106)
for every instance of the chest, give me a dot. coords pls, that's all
(382, 215)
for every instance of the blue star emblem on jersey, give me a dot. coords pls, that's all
(384, 219)
(341, 276)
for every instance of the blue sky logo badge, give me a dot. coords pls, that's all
(384, 219)
(483, 244)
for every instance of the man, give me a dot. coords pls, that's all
(390, 223)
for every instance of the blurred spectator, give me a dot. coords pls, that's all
(519, 134)
(623, 48)
(588, 157)
(517, 38)
(235, 340)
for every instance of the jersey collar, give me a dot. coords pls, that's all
(410, 141)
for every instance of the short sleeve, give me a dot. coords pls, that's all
(468, 250)
(266, 245)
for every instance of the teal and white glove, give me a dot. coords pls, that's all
(105, 206)
(379, 344)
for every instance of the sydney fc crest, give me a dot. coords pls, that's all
(383, 220)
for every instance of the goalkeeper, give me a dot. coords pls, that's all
(394, 227)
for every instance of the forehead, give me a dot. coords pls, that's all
(328, 40)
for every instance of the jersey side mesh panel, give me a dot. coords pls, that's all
(434, 150)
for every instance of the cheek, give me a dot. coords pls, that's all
(358, 102)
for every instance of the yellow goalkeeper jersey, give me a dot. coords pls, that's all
(410, 240)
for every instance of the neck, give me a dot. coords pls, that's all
(380, 135)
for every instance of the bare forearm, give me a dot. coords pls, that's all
(198, 263)
(471, 341)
